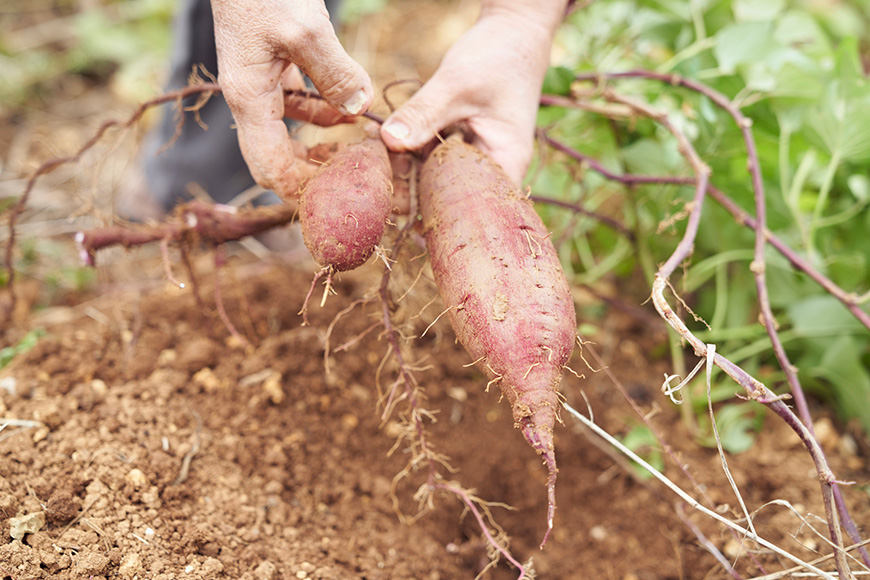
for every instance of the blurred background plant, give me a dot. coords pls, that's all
(124, 42)
(799, 70)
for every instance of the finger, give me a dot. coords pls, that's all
(314, 47)
(310, 109)
(439, 104)
(256, 98)
(435, 106)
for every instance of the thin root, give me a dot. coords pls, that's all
(446, 310)
(327, 289)
(304, 311)
(167, 263)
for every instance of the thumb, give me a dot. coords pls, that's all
(430, 110)
(339, 79)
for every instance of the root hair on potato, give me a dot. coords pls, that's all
(445, 311)
(472, 363)
(304, 311)
(580, 343)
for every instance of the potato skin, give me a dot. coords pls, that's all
(499, 274)
(345, 206)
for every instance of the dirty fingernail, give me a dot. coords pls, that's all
(354, 104)
(398, 130)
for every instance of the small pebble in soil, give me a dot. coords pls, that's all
(9, 384)
(130, 565)
(137, 478)
(27, 524)
(598, 533)
(265, 571)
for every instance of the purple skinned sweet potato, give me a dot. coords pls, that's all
(506, 293)
(345, 206)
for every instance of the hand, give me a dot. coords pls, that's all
(258, 44)
(490, 79)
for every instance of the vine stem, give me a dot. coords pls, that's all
(849, 300)
(198, 87)
(743, 218)
(755, 389)
(692, 502)
(759, 267)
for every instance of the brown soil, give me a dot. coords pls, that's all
(168, 451)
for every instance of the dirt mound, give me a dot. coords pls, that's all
(166, 450)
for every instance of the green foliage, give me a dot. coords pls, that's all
(737, 425)
(558, 81)
(643, 442)
(353, 10)
(798, 70)
(127, 40)
(26, 343)
(45, 259)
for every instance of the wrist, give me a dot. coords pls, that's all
(537, 17)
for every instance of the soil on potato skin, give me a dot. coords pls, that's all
(170, 452)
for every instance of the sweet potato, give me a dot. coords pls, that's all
(345, 205)
(500, 278)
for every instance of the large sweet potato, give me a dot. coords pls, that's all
(500, 277)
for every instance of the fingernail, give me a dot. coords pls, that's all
(354, 104)
(397, 129)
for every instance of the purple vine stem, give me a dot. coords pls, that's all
(796, 260)
(755, 389)
(758, 267)
(850, 300)
(743, 218)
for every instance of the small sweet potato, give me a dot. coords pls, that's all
(500, 278)
(345, 205)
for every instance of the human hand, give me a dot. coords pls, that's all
(491, 79)
(263, 47)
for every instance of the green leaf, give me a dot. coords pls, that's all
(859, 185)
(737, 425)
(643, 442)
(840, 122)
(558, 81)
(648, 156)
(799, 81)
(850, 69)
(26, 343)
(353, 10)
(799, 29)
(842, 126)
(821, 315)
(744, 43)
(841, 365)
(751, 10)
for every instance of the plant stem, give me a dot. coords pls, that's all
(743, 532)
(756, 390)
(850, 300)
(822, 201)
